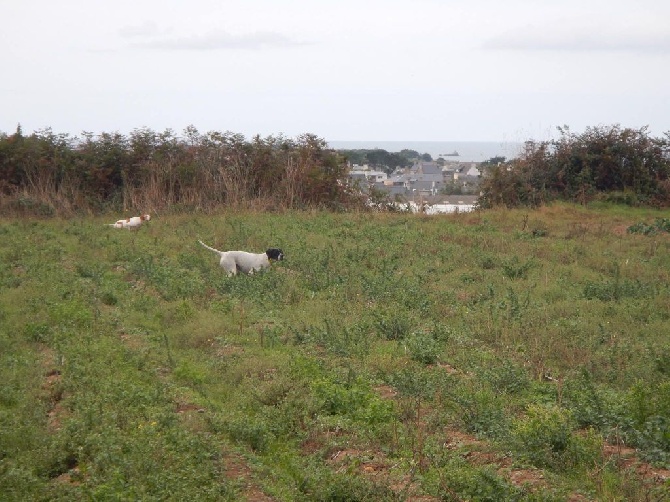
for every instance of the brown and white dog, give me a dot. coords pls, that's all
(244, 262)
(130, 223)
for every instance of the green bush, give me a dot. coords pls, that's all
(480, 411)
(37, 332)
(590, 406)
(514, 269)
(660, 225)
(392, 324)
(617, 289)
(458, 480)
(422, 347)
(249, 431)
(648, 407)
(654, 440)
(546, 438)
(620, 165)
(345, 487)
(340, 399)
(506, 377)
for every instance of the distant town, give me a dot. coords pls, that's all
(429, 186)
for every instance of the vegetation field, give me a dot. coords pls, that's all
(494, 355)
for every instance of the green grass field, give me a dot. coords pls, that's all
(497, 355)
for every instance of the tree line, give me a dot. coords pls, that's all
(608, 163)
(48, 173)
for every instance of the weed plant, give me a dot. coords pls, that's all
(131, 367)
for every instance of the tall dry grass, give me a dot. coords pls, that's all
(44, 175)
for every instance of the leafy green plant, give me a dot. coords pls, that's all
(392, 324)
(546, 438)
(340, 399)
(654, 439)
(660, 225)
(617, 289)
(251, 432)
(37, 332)
(506, 377)
(457, 480)
(422, 347)
(343, 487)
(514, 269)
(589, 405)
(480, 411)
(649, 408)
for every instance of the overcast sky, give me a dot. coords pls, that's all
(480, 70)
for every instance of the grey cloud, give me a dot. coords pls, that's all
(564, 37)
(219, 40)
(148, 28)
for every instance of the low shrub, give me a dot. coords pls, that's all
(458, 480)
(506, 377)
(340, 399)
(648, 407)
(617, 289)
(422, 347)
(480, 411)
(660, 225)
(515, 269)
(251, 432)
(347, 487)
(546, 438)
(392, 324)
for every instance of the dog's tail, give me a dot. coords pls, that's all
(211, 249)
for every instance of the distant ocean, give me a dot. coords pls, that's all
(468, 151)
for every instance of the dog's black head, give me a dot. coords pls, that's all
(275, 254)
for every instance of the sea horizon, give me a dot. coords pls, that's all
(468, 151)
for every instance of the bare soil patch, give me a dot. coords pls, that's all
(237, 468)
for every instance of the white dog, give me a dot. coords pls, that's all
(247, 263)
(130, 223)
